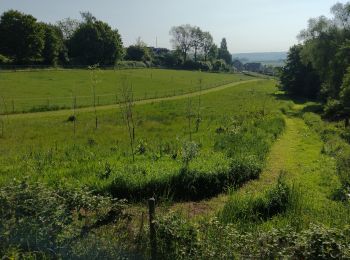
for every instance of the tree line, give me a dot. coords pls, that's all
(319, 67)
(26, 41)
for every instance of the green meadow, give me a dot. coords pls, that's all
(241, 160)
(40, 90)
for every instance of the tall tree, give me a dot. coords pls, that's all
(196, 40)
(207, 44)
(297, 78)
(94, 42)
(68, 26)
(224, 54)
(53, 44)
(22, 38)
(181, 39)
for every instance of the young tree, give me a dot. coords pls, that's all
(126, 106)
(189, 115)
(22, 38)
(181, 39)
(94, 80)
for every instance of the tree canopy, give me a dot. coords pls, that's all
(95, 42)
(22, 37)
(319, 67)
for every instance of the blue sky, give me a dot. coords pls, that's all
(248, 25)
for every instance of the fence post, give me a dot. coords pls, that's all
(152, 228)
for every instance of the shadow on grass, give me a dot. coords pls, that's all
(309, 105)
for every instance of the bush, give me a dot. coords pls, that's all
(220, 65)
(334, 109)
(205, 65)
(49, 222)
(130, 65)
(179, 239)
(4, 60)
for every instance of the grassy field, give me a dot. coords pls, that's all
(261, 176)
(57, 89)
(45, 147)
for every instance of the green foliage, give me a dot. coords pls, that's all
(137, 53)
(51, 222)
(179, 239)
(223, 52)
(22, 38)
(4, 60)
(345, 91)
(53, 45)
(334, 109)
(220, 65)
(95, 42)
(299, 79)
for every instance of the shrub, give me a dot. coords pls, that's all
(220, 65)
(46, 221)
(4, 60)
(179, 239)
(130, 64)
(333, 109)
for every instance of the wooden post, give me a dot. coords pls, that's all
(152, 228)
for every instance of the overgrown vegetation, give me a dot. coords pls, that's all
(41, 222)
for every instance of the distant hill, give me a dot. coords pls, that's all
(269, 58)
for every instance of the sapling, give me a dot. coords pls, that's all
(94, 80)
(198, 119)
(5, 114)
(126, 106)
(189, 117)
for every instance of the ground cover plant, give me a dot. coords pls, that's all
(44, 90)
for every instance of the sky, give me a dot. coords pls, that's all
(248, 25)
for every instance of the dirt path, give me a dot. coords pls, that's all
(140, 102)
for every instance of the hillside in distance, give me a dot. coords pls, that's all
(267, 58)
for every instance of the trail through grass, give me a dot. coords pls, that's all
(298, 152)
(138, 102)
